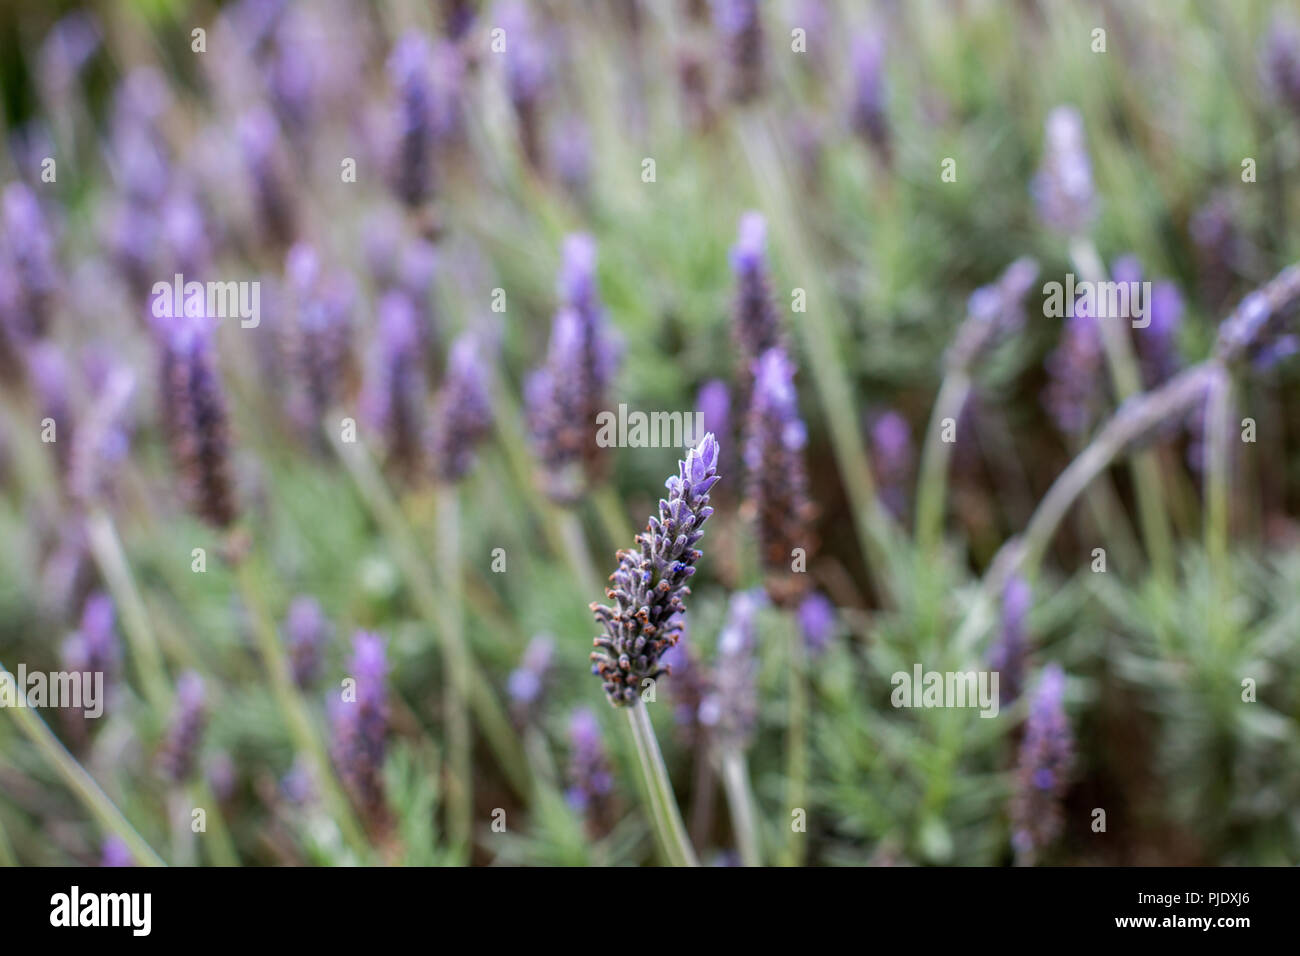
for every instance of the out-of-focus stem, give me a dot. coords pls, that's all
(577, 552)
(487, 711)
(294, 708)
(1130, 421)
(113, 565)
(81, 783)
(460, 792)
(221, 847)
(7, 855)
(876, 532)
(796, 774)
(1218, 466)
(740, 798)
(1128, 383)
(610, 510)
(932, 485)
(667, 819)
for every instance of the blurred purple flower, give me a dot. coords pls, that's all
(740, 28)
(1009, 653)
(776, 487)
(179, 754)
(306, 631)
(817, 622)
(730, 708)
(394, 396)
(1046, 755)
(115, 853)
(1074, 370)
(462, 413)
(591, 780)
(360, 727)
(1063, 186)
(868, 115)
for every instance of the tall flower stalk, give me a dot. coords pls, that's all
(647, 589)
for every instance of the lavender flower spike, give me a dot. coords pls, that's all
(777, 479)
(1281, 62)
(1063, 186)
(528, 680)
(409, 72)
(360, 727)
(179, 755)
(817, 622)
(306, 630)
(755, 324)
(319, 336)
(1045, 758)
(1008, 655)
(867, 113)
(651, 580)
(195, 414)
(591, 782)
(462, 414)
(394, 396)
(730, 710)
(94, 647)
(741, 27)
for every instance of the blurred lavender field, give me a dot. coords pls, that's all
(335, 339)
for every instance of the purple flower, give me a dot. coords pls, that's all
(730, 708)
(527, 681)
(565, 397)
(306, 630)
(528, 69)
(115, 853)
(28, 249)
(650, 582)
(259, 140)
(394, 397)
(591, 781)
(755, 324)
(50, 378)
(689, 686)
(776, 476)
(817, 622)
(1063, 186)
(1009, 653)
(867, 109)
(1219, 246)
(1046, 755)
(462, 412)
(94, 647)
(66, 49)
(195, 418)
(741, 30)
(360, 727)
(179, 754)
(1157, 344)
(221, 775)
(1281, 62)
(714, 403)
(891, 450)
(1074, 370)
(997, 311)
(413, 166)
(319, 336)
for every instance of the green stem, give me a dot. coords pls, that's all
(1218, 462)
(457, 679)
(295, 710)
(797, 743)
(7, 855)
(669, 828)
(81, 783)
(932, 485)
(221, 846)
(492, 720)
(612, 516)
(113, 565)
(740, 798)
(1128, 383)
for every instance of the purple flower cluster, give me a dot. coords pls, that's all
(394, 397)
(306, 630)
(818, 622)
(319, 343)
(527, 681)
(413, 160)
(565, 396)
(755, 324)
(776, 476)
(359, 721)
(651, 580)
(1046, 755)
(730, 709)
(528, 71)
(179, 755)
(195, 418)
(591, 781)
(1281, 62)
(1157, 344)
(891, 456)
(94, 647)
(997, 311)
(868, 115)
(1063, 186)
(1009, 653)
(1074, 369)
(27, 259)
(462, 412)
(740, 28)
